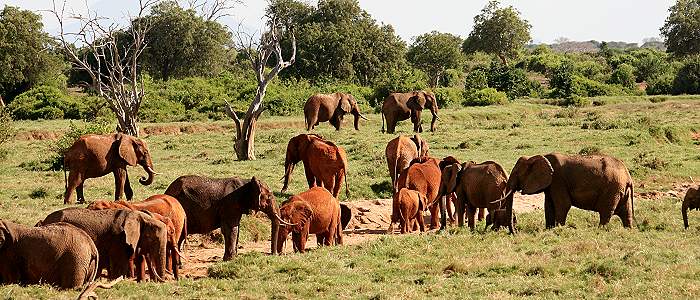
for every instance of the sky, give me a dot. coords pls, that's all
(602, 20)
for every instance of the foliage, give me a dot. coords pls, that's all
(650, 65)
(447, 97)
(45, 102)
(484, 97)
(623, 75)
(511, 80)
(434, 53)
(338, 39)
(75, 130)
(7, 130)
(26, 55)
(662, 85)
(680, 31)
(453, 78)
(499, 31)
(687, 79)
(181, 43)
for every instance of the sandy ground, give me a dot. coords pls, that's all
(371, 219)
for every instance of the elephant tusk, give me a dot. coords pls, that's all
(504, 198)
(363, 117)
(149, 169)
(437, 118)
(283, 222)
(179, 254)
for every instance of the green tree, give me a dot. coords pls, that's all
(434, 53)
(498, 31)
(182, 44)
(26, 53)
(623, 75)
(681, 31)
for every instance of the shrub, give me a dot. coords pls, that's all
(687, 79)
(576, 101)
(447, 97)
(452, 78)
(623, 75)
(45, 102)
(483, 97)
(513, 81)
(476, 80)
(662, 85)
(562, 81)
(59, 148)
(650, 65)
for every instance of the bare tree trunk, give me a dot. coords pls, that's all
(2, 103)
(244, 141)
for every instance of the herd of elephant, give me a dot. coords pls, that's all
(126, 238)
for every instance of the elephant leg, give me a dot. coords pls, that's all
(338, 183)
(626, 214)
(128, 192)
(119, 181)
(471, 213)
(548, 210)
(450, 212)
(79, 192)
(404, 226)
(481, 214)
(230, 229)
(459, 207)
(140, 268)
(74, 180)
(390, 125)
(304, 236)
(296, 241)
(310, 178)
(561, 211)
(434, 216)
(605, 217)
(421, 222)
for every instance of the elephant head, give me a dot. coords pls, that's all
(294, 211)
(448, 180)
(348, 104)
(418, 102)
(263, 200)
(146, 236)
(134, 151)
(530, 175)
(295, 149)
(691, 201)
(173, 254)
(421, 145)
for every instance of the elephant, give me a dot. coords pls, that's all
(162, 206)
(597, 183)
(325, 164)
(452, 197)
(499, 218)
(120, 235)
(314, 211)
(331, 108)
(59, 254)
(172, 254)
(212, 203)
(476, 186)
(401, 151)
(410, 205)
(402, 106)
(423, 175)
(691, 201)
(93, 156)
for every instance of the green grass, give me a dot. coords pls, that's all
(654, 139)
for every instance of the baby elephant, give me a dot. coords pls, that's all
(411, 205)
(315, 211)
(59, 254)
(691, 201)
(498, 219)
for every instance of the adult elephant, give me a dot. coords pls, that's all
(212, 203)
(314, 211)
(93, 156)
(402, 106)
(597, 183)
(691, 201)
(120, 236)
(423, 175)
(161, 205)
(476, 186)
(401, 151)
(58, 254)
(325, 163)
(331, 108)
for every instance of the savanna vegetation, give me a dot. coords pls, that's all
(499, 99)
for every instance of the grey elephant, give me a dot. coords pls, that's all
(476, 186)
(597, 183)
(120, 236)
(691, 201)
(58, 254)
(93, 156)
(402, 106)
(331, 108)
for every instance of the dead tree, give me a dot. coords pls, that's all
(111, 60)
(259, 55)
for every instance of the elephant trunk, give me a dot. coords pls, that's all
(157, 257)
(357, 120)
(148, 167)
(273, 214)
(288, 168)
(684, 212)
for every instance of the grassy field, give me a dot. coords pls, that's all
(657, 140)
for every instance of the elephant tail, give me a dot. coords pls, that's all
(382, 122)
(631, 197)
(183, 235)
(65, 173)
(347, 189)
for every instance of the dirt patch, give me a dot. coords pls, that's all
(38, 135)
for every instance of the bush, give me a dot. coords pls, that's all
(483, 97)
(513, 81)
(662, 85)
(576, 101)
(452, 78)
(623, 75)
(447, 97)
(476, 80)
(59, 148)
(650, 65)
(687, 79)
(45, 102)
(562, 81)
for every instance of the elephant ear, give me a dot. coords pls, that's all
(416, 102)
(126, 150)
(430, 99)
(539, 175)
(422, 202)
(303, 213)
(451, 173)
(5, 234)
(131, 227)
(344, 103)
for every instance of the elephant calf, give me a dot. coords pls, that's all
(409, 206)
(691, 201)
(315, 211)
(59, 254)
(499, 218)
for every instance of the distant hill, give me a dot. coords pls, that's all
(594, 46)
